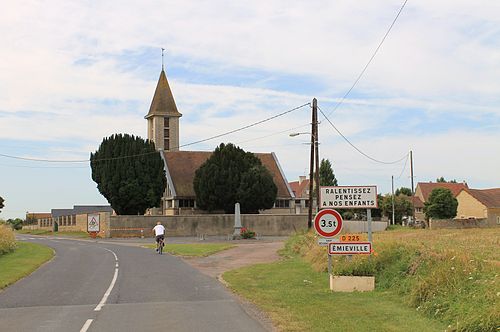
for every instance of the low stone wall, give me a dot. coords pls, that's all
(222, 224)
(459, 223)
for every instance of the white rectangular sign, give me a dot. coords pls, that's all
(349, 248)
(323, 242)
(93, 224)
(349, 197)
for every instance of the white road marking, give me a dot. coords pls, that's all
(110, 288)
(86, 326)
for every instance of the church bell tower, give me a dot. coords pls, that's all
(163, 117)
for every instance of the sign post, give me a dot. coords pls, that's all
(93, 224)
(328, 223)
(345, 197)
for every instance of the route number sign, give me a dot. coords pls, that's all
(93, 224)
(328, 223)
(350, 238)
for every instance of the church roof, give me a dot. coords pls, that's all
(182, 165)
(163, 102)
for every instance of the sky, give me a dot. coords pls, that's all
(73, 72)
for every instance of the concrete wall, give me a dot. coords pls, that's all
(75, 223)
(462, 223)
(222, 224)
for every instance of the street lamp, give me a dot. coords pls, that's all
(314, 153)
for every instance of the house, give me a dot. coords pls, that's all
(424, 189)
(180, 166)
(479, 204)
(300, 190)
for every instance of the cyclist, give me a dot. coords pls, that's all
(159, 232)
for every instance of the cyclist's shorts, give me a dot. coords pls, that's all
(158, 237)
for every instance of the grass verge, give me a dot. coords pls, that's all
(448, 275)
(78, 234)
(25, 259)
(193, 249)
(297, 298)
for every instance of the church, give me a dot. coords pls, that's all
(179, 197)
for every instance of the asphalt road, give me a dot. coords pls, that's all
(94, 286)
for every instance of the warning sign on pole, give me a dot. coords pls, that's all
(93, 224)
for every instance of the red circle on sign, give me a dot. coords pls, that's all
(318, 219)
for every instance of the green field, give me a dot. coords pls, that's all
(25, 259)
(425, 281)
(193, 249)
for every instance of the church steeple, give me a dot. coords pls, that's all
(163, 102)
(163, 117)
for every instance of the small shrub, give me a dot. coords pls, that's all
(7, 240)
(246, 233)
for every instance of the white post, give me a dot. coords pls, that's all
(237, 221)
(369, 220)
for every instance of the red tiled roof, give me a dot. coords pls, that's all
(427, 187)
(299, 187)
(489, 197)
(417, 202)
(182, 166)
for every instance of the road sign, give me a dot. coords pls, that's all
(349, 248)
(323, 241)
(350, 238)
(328, 223)
(349, 197)
(93, 224)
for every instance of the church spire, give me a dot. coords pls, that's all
(163, 102)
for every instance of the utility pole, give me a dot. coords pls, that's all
(412, 187)
(392, 184)
(311, 172)
(316, 151)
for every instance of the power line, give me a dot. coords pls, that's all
(356, 148)
(404, 167)
(24, 166)
(244, 127)
(152, 152)
(371, 59)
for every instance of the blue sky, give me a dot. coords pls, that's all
(74, 72)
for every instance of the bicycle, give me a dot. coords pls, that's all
(159, 245)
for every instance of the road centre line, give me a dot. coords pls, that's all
(110, 288)
(86, 326)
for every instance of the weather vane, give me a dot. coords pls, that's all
(162, 50)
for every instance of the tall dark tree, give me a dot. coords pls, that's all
(232, 175)
(441, 204)
(326, 175)
(129, 172)
(1, 202)
(403, 191)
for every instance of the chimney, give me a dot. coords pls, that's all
(302, 178)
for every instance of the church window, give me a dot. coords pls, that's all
(166, 132)
(166, 144)
(166, 122)
(186, 203)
